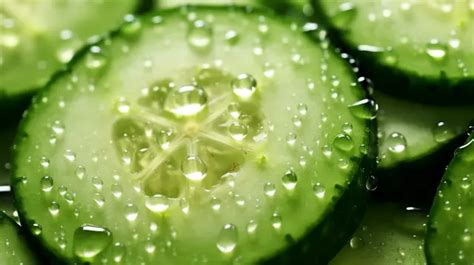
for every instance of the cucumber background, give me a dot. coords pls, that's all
(405, 70)
(14, 248)
(41, 110)
(389, 234)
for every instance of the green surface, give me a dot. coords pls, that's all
(14, 247)
(421, 49)
(389, 234)
(178, 141)
(451, 223)
(411, 131)
(38, 37)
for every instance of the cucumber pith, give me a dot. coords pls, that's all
(450, 227)
(243, 146)
(39, 37)
(431, 62)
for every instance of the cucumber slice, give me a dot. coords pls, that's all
(176, 3)
(421, 50)
(38, 37)
(198, 138)
(14, 247)
(451, 226)
(6, 141)
(414, 140)
(389, 234)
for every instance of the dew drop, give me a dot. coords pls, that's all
(227, 239)
(442, 132)
(365, 109)
(215, 204)
(234, 110)
(356, 242)
(80, 172)
(466, 183)
(70, 155)
(231, 37)
(122, 106)
(187, 100)
(319, 190)
(44, 162)
(343, 142)
(53, 208)
(199, 34)
(194, 168)
(36, 229)
(46, 183)
(302, 109)
(269, 189)
(118, 252)
(251, 227)
(238, 131)
(291, 139)
(436, 50)
(289, 180)
(89, 241)
(95, 60)
(157, 203)
(397, 143)
(131, 212)
(244, 86)
(276, 221)
(297, 121)
(58, 127)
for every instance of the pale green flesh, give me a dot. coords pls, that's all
(38, 37)
(398, 32)
(389, 234)
(163, 52)
(175, 3)
(423, 128)
(451, 225)
(13, 246)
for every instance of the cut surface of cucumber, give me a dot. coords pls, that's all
(410, 131)
(38, 37)
(197, 138)
(14, 247)
(389, 234)
(418, 49)
(6, 141)
(451, 224)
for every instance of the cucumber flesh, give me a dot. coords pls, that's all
(451, 224)
(38, 37)
(6, 140)
(14, 247)
(176, 3)
(418, 49)
(389, 234)
(197, 137)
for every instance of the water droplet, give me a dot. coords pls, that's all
(269, 189)
(70, 155)
(187, 100)
(319, 190)
(36, 229)
(436, 50)
(80, 172)
(302, 109)
(289, 180)
(194, 168)
(118, 252)
(227, 238)
(157, 203)
(231, 37)
(58, 127)
(396, 143)
(343, 142)
(234, 110)
(164, 138)
(276, 221)
(291, 139)
(89, 241)
(131, 212)
(215, 204)
(442, 132)
(53, 208)
(99, 199)
(347, 128)
(46, 183)
(252, 227)
(371, 184)
(122, 106)
(200, 34)
(466, 183)
(345, 14)
(297, 121)
(244, 86)
(356, 242)
(44, 162)
(238, 131)
(364, 109)
(95, 60)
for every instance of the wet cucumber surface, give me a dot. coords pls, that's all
(39, 37)
(184, 139)
(413, 49)
(389, 234)
(13, 244)
(451, 223)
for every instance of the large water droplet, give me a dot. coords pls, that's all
(289, 180)
(157, 203)
(436, 50)
(187, 100)
(46, 183)
(227, 238)
(396, 143)
(276, 221)
(343, 142)
(244, 86)
(194, 168)
(131, 212)
(364, 109)
(200, 34)
(319, 190)
(238, 131)
(89, 241)
(442, 132)
(269, 189)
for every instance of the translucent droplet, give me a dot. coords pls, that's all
(164, 138)
(302, 109)
(436, 50)
(442, 132)
(46, 183)
(200, 34)
(276, 221)
(231, 36)
(396, 143)
(36, 229)
(319, 190)
(44, 162)
(80, 172)
(95, 61)
(252, 227)
(343, 142)
(58, 127)
(65, 54)
(227, 238)
(70, 155)
(118, 252)
(345, 14)
(297, 121)
(238, 131)
(466, 183)
(122, 106)
(289, 180)
(157, 203)
(291, 139)
(269, 189)
(364, 109)
(371, 184)
(194, 168)
(89, 241)
(234, 110)
(53, 208)
(187, 100)
(131, 212)
(215, 204)
(244, 86)
(356, 242)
